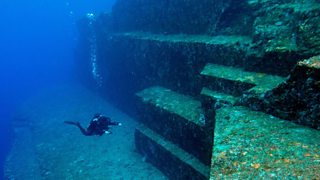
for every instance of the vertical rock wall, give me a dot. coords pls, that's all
(165, 16)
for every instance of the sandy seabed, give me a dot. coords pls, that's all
(46, 148)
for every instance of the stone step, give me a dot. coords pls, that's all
(172, 61)
(187, 38)
(173, 161)
(215, 48)
(236, 80)
(250, 144)
(221, 98)
(179, 118)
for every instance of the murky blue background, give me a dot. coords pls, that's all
(37, 41)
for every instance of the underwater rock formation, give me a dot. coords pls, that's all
(298, 98)
(231, 53)
(168, 43)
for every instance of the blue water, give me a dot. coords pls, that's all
(36, 50)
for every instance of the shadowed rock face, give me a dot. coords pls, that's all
(298, 98)
(179, 16)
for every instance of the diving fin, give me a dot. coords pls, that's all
(72, 123)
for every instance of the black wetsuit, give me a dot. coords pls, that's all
(99, 125)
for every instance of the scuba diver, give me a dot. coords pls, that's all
(99, 125)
